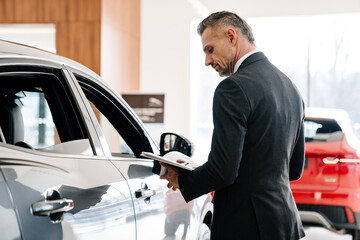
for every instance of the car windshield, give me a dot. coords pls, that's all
(322, 130)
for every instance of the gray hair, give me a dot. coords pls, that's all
(225, 18)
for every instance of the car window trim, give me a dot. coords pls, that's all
(96, 135)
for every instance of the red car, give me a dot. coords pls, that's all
(328, 193)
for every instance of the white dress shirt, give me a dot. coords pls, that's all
(239, 62)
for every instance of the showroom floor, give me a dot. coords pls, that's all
(312, 233)
(315, 233)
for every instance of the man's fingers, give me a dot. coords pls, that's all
(164, 165)
(170, 176)
(165, 176)
(169, 167)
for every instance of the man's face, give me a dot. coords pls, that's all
(219, 52)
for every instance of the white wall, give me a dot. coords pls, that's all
(165, 45)
(164, 58)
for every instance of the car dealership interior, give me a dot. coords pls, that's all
(150, 53)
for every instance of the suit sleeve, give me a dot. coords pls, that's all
(230, 113)
(298, 157)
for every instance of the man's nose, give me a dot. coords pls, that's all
(208, 60)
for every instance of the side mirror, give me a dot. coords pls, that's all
(174, 142)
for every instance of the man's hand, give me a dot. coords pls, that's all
(172, 176)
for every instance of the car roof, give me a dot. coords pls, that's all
(340, 116)
(330, 113)
(15, 53)
(10, 50)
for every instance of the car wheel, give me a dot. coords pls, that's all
(204, 233)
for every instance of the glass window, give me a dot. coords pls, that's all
(322, 130)
(42, 36)
(116, 143)
(39, 127)
(122, 132)
(37, 112)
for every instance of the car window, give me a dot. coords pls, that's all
(39, 127)
(37, 111)
(322, 130)
(116, 143)
(117, 123)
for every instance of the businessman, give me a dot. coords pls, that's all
(258, 140)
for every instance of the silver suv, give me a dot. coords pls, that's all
(59, 179)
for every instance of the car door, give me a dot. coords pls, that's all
(11, 228)
(160, 213)
(60, 182)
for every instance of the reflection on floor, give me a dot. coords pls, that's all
(177, 237)
(315, 233)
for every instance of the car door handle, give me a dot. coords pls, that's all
(47, 207)
(53, 206)
(144, 193)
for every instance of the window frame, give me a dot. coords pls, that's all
(70, 126)
(133, 133)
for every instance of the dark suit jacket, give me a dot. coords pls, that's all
(257, 149)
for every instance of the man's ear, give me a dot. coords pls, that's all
(231, 35)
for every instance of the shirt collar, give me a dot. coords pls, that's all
(240, 61)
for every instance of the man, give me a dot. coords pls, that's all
(258, 140)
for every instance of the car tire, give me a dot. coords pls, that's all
(204, 233)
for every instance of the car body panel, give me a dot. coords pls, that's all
(9, 229)
(318, 176)
(102, 200)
